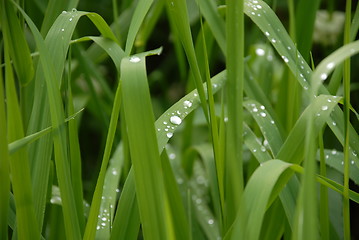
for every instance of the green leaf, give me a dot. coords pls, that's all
(145, 156)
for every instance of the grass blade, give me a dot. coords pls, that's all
(150, 189)
(234, 140)
(19, 164)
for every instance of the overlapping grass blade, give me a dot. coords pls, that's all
(146, 162)
(126, 224)
(320, 109)
(257, 198)
(18, 144)
(57, 119)
(19, 164)
(75, 153)
(178, 213)
(178, 9)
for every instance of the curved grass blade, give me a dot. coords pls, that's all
(256, 197)
(326, 66)
(319, 109)
(145, 156)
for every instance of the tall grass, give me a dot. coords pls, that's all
(174, 119)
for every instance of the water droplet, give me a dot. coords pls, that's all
(114, 172)
(117, 190)
(187, 104)
(330, 65)
(273, 40)
(352, 162)
(254, 150)
(74, 10)
(62, 29)
(255, 109)
(70, 19)
(103, 224)
(342, 163)
(195, 94)
(334, 151)
(323, 76)
(259, 6)
(169, 135)
(289, 48)
(198, 201)
(285, 59)
(98, 227)
(164, 122)
(225, 119)
(262, 107)
(263, 149)
(260, 52)
(64, 12)
(176, 120)
(272, 121)
(334, 123)
(326, 156)
(214, 85)
(267, 33)
(210, 221)
(263, 114)
(324, 108)
(172, 156)
(135, 59)
(103, 219)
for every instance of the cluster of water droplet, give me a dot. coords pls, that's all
(175, 119)
(71, 16)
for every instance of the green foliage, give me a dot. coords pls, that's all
(224, 135)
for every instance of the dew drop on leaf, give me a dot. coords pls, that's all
(187, 104)
(135, 59)
(176, 120)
